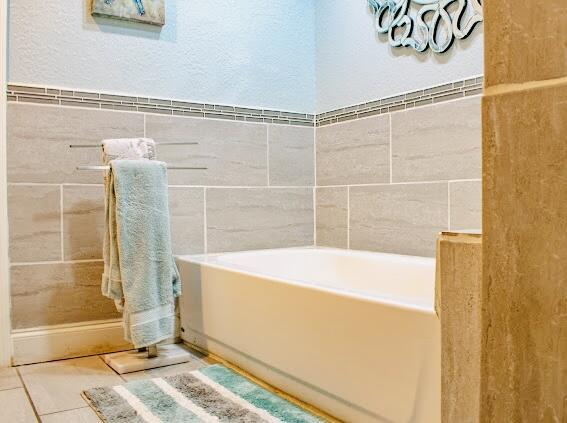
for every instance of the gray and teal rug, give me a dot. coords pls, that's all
(210, 394)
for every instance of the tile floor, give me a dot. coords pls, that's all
(51, 392)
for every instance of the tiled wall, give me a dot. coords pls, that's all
(388, 178)
(391, 178)
(256, 193)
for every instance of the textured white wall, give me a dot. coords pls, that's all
(354, 65)
(245, 52)
(251, 53)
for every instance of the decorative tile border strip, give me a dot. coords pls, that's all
(105, 101)
(433, 95)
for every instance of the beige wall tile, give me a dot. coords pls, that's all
(291, 150)
(39, 138)
(525, 253)
(355, 152)
(257, 218)
(439, 142)
(83, 222)
(235, 153)
(465, 205)
(51, 294)
(525, 40)
(401, 219)
(332, 217)
(16, 407)
(187, 213)
(57, 386)
(35, 223)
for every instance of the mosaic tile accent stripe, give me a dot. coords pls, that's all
(73, 98)
(105, 101)
(433, 95)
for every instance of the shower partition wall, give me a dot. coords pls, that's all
(5, 341)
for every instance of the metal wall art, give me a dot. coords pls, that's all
(146, 11)
(423, 24)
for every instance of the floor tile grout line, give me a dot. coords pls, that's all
(12, 389)
(60, 360)
(37, 415)
(54, 262)
(110, 368)
(65, 411)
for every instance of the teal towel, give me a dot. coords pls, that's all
(139, 265)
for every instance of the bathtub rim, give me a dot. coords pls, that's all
(203, 260)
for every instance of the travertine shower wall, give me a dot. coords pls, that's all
(524, 301)
(256, 193)
(394, 172)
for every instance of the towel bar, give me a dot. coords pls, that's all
(169, 167)
(157, 143)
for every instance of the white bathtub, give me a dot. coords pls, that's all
(352, 333)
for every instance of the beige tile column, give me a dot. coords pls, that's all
(524, 298)
(458, 305)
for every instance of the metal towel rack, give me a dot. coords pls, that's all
(151, 350)
(157, 143)
(103, 167)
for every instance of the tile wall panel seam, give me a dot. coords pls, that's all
(391, 154)
(205, 232)
(105, 101)
(449, 206)
(268, 155)
(380, 184)
(434, 95)
(61, 221)
(314, 216)
(349, 186)
(348, 217)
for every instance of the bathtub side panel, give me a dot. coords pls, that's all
(373, 357)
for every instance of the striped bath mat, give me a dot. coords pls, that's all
(210, 394)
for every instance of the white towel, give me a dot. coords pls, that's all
(128, 148)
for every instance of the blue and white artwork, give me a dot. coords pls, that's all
(146, 11)
(426, 24)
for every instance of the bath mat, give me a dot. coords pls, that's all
(210, 394)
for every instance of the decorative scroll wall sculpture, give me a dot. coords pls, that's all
(423, 24)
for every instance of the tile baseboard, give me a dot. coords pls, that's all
(59, 342)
